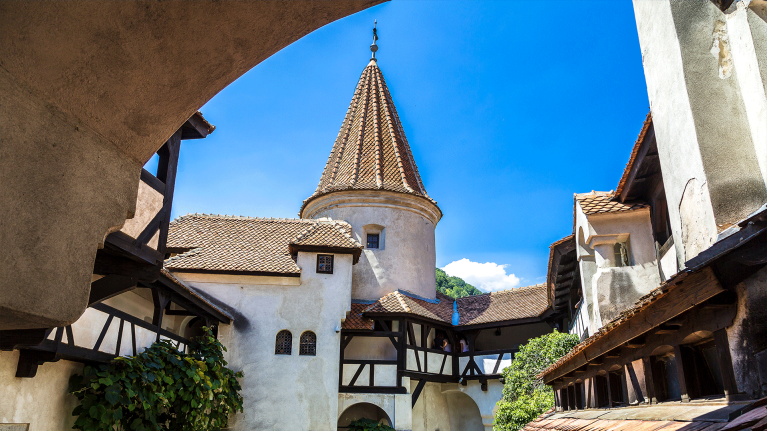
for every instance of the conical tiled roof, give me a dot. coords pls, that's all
(371, 151)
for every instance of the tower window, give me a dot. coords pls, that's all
(324, 263)
(284, 343)
(308, 346)
(373, 240)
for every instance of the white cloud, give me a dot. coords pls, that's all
(488, 276)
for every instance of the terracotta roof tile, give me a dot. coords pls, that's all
(404, 302)
(371, 151)
(512, 304)
(355, 320)
(246, 244)
(603, 202)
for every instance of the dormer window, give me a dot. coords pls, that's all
(621, 254)
(373, 240)
(324, 263)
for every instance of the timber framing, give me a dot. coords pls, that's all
(415, 358)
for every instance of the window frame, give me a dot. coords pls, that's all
(332, 264)
(310, 344)
(288, 343)
(377, 236)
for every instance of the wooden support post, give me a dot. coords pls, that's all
(725, 363)
(680, 373)
(651, 398)
(161, 300)
(401, 351)
(166, 172)
(609, 391)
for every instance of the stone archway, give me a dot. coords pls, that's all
(109, 83)
(463, 412)
(360, 411)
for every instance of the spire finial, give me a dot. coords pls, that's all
(374, 47)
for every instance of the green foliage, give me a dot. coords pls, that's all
(368, 425)
(454, 287)
(159, 389)
(524, 396)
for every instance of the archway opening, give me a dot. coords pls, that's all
(362, 411)
(464, 412)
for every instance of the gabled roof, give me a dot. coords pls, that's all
(511, 304)
(503, 306)
(604, 202)
(398, 302)
(252, 245)
(371, 151)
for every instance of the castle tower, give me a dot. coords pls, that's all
(372, 182)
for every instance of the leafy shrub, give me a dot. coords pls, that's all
(454, 287)
(524, 396)
(159, 389)
(368, 425)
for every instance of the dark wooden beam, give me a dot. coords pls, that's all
(372, 390)
(152, 181)
(17, 338)
(109, 286)
(692, 290)
(417, 391)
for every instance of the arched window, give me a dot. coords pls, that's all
(284, 343)
(308, 344)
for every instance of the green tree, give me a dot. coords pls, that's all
(368, 425)
(454, 287)
(159, 389)
(525, 397)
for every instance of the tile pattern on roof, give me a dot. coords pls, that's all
(247, 244)
(511, 304)
(400, 302)
(355, 320)
(371, 151)
(603, 202)
(657, 417)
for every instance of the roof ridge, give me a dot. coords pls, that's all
(401, 301)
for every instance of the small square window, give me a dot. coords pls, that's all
(325, 263)
(373, 240)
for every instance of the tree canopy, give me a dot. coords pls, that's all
(454, 287)
(525, 397)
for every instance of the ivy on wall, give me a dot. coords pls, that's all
(368, 425)
(159, 389)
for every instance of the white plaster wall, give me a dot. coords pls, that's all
(636, 224)
(588, 266)
(431, 411)
(148, 204)
(370, 348)
(485, 400)
(42, 401)
(408, 259)
(672, 115)
(284, 392)
(747, 71)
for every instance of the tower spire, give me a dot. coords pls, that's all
(374, 47)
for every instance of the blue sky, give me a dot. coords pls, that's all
(510, 107)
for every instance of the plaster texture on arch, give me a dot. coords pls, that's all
(90, 91)
(409, 258)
